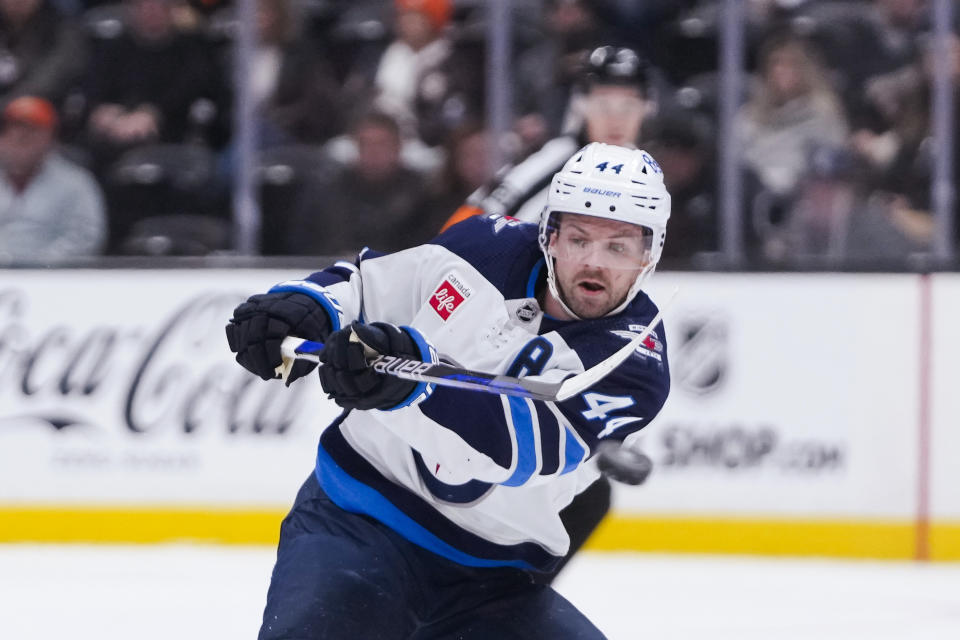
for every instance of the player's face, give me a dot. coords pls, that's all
(596, 261)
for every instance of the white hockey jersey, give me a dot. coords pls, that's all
(475, 477)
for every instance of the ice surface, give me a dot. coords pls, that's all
(205, 592)
(632, 596)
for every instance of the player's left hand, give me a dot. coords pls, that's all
(259, 325)
(348, 378)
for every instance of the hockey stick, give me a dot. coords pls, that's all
(451, 376)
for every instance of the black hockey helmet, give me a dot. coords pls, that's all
(615, 65)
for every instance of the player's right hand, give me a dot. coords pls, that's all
(260, 324)
(349, 379)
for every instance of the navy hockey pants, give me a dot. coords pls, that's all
(341, 575)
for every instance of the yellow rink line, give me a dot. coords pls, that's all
(135, 524)
(888, 539)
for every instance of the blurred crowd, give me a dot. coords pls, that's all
(118, 133)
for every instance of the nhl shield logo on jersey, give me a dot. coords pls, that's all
(527, 312)
(449, 295)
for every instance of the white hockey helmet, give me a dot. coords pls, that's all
(616, 183)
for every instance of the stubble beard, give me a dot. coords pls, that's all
(587, 308)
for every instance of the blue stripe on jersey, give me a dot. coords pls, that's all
(356, 486)
(549, 439)
(318, 293)
(532, 280)
(427, 354)
(526, 442)
(357, 497)
(574, 452)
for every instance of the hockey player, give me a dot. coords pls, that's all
(430, 507)
(608, 107)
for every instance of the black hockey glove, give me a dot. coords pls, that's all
(260, 324)
(347, 376)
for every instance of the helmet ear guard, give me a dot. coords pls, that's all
(614, 183)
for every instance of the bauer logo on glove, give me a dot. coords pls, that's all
(352, 380)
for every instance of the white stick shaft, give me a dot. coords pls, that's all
(288, 349)
(583, 381)
(297, 348)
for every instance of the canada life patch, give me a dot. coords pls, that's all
(449, 295)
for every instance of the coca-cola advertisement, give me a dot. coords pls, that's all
(118, 386)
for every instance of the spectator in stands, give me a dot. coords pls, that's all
(376, 200)
(408, 75)
(641, 24)
(297, 94)
(51, 211)
(153, 83)
(900, 152)
(901, 104)
(41, 52)
(683, 144)
(466, 169)
(419, 46)
(448, 95)
(836, 220)
(792, 107)
(861, 40)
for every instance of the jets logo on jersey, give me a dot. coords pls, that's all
(449, 295)
(502, 222)
(651, 345)
(651, 341)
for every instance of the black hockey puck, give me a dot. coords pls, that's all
(622, 463)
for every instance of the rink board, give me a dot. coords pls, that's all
(809, 414)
